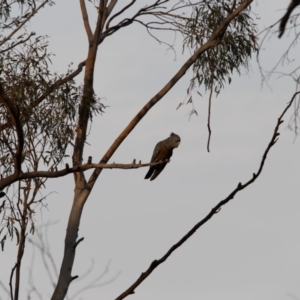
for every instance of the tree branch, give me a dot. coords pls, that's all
(14, 115)
(18, 43)
(208, 117)
(143, 11)
(111, 6)
(10, 281)
(54, 86)
(79, 241)
(214, 210)
(119, 13)
(81, 168)
(85, 18)
(57, 84)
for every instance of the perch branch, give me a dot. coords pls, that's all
(67, 170)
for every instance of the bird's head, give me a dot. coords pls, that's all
(175, 140)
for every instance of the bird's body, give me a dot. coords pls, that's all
(162, 152)
(285, 18)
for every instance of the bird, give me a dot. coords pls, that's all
(162, 152)
(285, 18)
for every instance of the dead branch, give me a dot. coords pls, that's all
(214, 210)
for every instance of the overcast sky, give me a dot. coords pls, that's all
(250, 250)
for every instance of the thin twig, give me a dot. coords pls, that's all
(18, 43)
(10, 281)
(208, 118)
(119, 13)
(79, 241)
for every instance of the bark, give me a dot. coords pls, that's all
(81, 193)
(20, 252)
(65, 276)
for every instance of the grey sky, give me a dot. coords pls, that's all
(250, 250)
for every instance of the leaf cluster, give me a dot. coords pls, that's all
(48, 125)
(236, 44)
(13, 12)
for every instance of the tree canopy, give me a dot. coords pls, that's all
(65, 115)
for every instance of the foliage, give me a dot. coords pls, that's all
(50, 113)
(10, 19)
(48, 123)
(47, 126)
(236, 43)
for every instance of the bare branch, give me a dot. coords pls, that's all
(79, 241)
(111, 6)
(102, 14)
(208, 117)
(143, 11)
(119, 13)
(85, 18)
(285, 18)
(81, 168)
(74, 277)
(10, 281)
(214, 210)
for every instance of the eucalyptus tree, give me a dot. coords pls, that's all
(45, 117)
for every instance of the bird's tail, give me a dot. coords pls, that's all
(149, 173)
